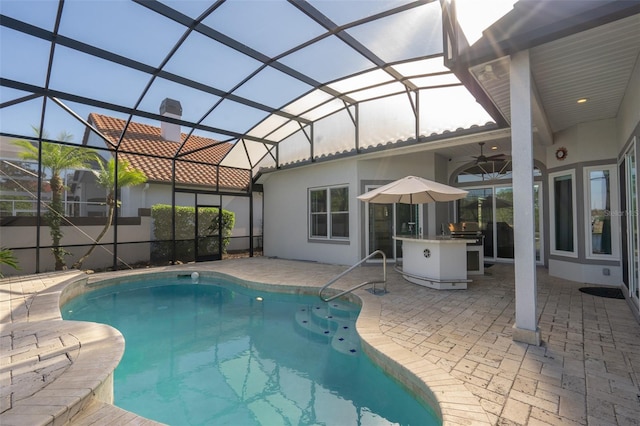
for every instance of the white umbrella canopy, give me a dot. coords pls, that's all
(413, 190)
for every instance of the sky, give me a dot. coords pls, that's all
(268, 26)
(475, 16)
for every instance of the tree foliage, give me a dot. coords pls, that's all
(8, 258)
(54, 159)
(106, 178)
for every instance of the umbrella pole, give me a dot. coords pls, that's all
(415, 225)
(411, 219)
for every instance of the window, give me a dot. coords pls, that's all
(563, 220)
(329, 213)
(601, 221)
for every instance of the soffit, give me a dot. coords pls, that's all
(595, 64)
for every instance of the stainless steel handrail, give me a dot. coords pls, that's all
(337, 277)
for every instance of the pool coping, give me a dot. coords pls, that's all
(83, 383)
(70, 364)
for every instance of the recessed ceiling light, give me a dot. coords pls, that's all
(494, 148)
(582, 100)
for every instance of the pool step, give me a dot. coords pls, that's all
(310, 328)
(321, 323)
(341, 309)
(330, 315)
(346, 339)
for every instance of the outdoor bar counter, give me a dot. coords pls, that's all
(435, 262)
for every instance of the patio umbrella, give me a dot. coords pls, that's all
(413, 190)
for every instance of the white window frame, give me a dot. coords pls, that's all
(552, 215)
(328, 213)
(615, 220)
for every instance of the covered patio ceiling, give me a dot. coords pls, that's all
(582, 56)
(282, 81)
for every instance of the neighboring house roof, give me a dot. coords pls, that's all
(198, 169)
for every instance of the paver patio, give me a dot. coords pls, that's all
(458, 342)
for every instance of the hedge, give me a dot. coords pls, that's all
(185, 227)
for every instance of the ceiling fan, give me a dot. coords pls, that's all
(483, 159)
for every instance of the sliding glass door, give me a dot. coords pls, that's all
(631, 184)
(477, 207)
(492, 209)
(380, 224)
(386, 220)
(504, 222)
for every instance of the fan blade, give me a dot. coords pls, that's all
(493, 157)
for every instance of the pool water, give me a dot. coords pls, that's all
(218, 353)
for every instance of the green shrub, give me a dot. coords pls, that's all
(8, 258)
(185, 231)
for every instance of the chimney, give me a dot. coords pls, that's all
(170, 131)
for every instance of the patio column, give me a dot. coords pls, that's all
(526, 327)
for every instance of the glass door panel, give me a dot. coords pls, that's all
(599, 200)
(381, 228)
(494, 215)
(407, 223)
(504, 222)
(477, 207)
(387, 220)
(632, 222)
(536, 219)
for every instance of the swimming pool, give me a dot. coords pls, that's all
(215, 352)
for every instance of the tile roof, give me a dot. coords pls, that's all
(158, 153)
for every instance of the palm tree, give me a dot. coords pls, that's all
(56, 158)
(127, 176)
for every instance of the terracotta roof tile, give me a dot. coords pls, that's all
(147, 140)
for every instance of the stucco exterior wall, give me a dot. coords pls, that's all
(629, 116)
(592, 141)
(286, 215)
(588, 144)
(286, 212)
(84, 234)
(398, 166)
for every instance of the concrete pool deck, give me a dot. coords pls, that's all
(456, 342)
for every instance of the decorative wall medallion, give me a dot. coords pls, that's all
(561, 153)
(427, 253)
